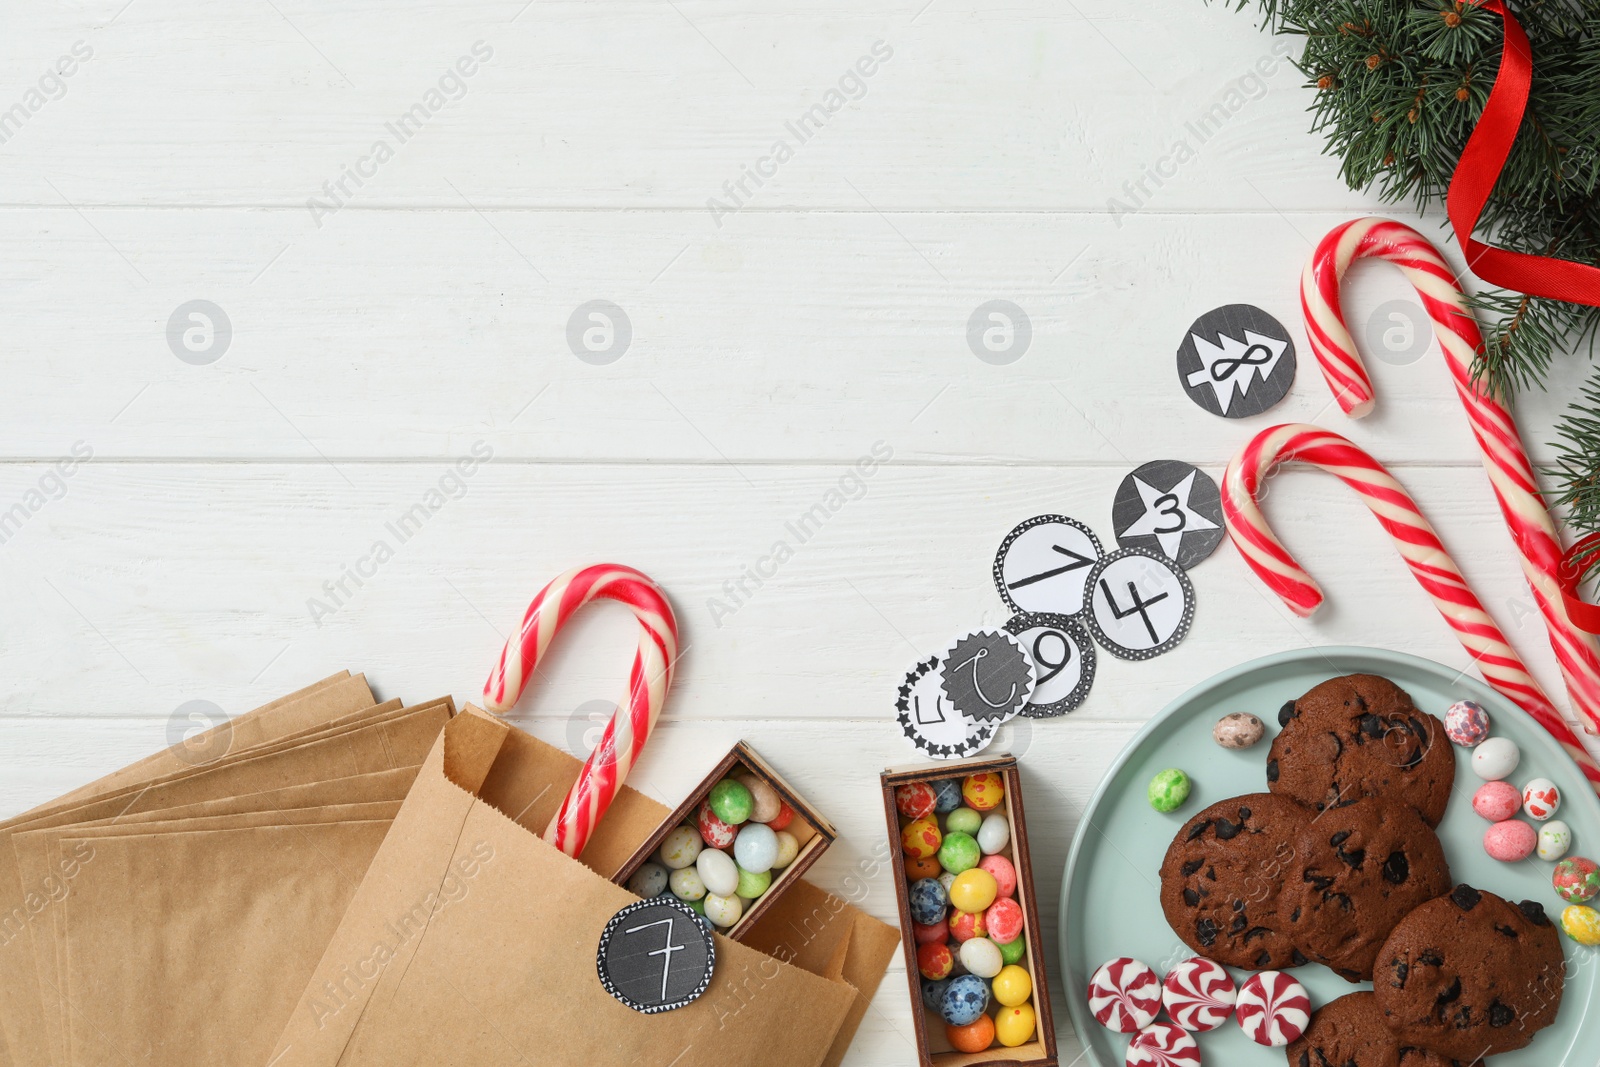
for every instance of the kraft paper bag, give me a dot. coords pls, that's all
(472, 941)
(385, 737)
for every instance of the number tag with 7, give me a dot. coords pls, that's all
(656, 955)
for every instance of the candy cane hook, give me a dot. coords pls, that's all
(1413, 535)
(1505, 459)
(648, 681)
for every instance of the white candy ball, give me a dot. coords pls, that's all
(788, 849)
(994, 835)
(680, 847)
(723, 910)
(1555, 837)
(686, 884)
(756, 848)
(1496, 758)
(719, 874)
(1540, 799)
(981, 957)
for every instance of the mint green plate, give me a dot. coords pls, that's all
(1110, 896)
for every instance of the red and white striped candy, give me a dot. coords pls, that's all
(648, 680)
(1273, 1009)
(1413, 535)
(1125, 995)
(1510, 471)
(1199, 994)
(1163, 1045)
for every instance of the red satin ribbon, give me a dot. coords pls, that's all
(1584, 615)
(1479, 168)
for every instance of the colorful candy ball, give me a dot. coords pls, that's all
(966, 925)
(788, 849)
(933, 992)
(973, 1037)
(1496, 758)
(1015, 1026)
(719, 873)
(914, 799)
(922, 867)
(963, 821)
(946, 879)
(717, 834)
(973, 890)
(928, 902)
(680, 847)
(946, 795)
(731, 802)
(1555, 837)
(1013, 951)
(1511, 841)
(924, 934)
(1238, 730)
(1004, 920)
(753, 884)
(965, 1000)
(995, 833)
(981, 957)
(1496, 801)
(1168, 790)
(648, 881)
(1005, 875)
(764, 800)
(959, 852)
(1577, 880)
(687, 884)
(756, 848)
(1581, 922)
(934, 960)
(1013, 985)
(723, 910)
(1466, 723)
(983, 792)
(784, 817)
(921, 837)
(1540, 799)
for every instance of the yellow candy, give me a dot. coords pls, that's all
(921, 837)
(1582, 924)
(973, 890)
(1013, 986)
(1014, 1026)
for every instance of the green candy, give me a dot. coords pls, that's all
(699, 908)
(731, 802)
(1168, 790)
(959, 852)
(963, 821)
(1013, 951)
(752, 885)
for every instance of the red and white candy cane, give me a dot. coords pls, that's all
(1413, 535)
(648, 681)
(1504, 458)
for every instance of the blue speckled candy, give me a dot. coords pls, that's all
(928, 901)
(946, 796)
(966, 998)
(648, 881)
(933, 992)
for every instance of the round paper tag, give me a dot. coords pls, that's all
(1171, 507)
(987, 675)
(1141, 604)
(1043, 563)
(932, 723)
(1236, 361)
(1063, 660)
(656, 955)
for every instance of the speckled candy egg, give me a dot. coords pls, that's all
(946, 795)
(1238, 730)
(1015, 1026)
(1168, 790)
(964, 821)
(719, 873)
(753, 883)
(648, 881)
(995, 833)
(983, 792)
(922, 867)
(965, 1000)
(1496, 758)
(1581, 922)
(764, 800)
(966, 925)
(959, 852)
(686, 884)
(1540, 799)
(921, 837)
(784, 817)
(1005, 875)
(1013, 951)
(1004, 921)
(1511, 841)
(947, 880)
(933, 992)
(1555, 837)
(935, 960)
(973, 890)
(723, 910)
(731, 802)
(756, 848)
(914, 799)
(1466, 723)
(1496, 801)
(715, 832)
(788, 849)
(928, 902)
(1576, 879)
(981, 957)
(680, 848)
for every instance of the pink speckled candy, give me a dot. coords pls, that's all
(914, 799)
(1125, 995)
(1496, 801)
(1466, 723)
(1511, 841)
(1163, 1045)
(1540, 799)
(1005, 875)
(1273, 1009)
(715, 832)
(1004, 920)
(1199, 994)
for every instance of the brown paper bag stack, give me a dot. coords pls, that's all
(171, 912)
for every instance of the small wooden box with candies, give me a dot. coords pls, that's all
(732, 847)
(968, 919)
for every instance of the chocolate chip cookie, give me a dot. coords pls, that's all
(1350, 1032)
(1222, 878)
(1469, 975)
(1359, 869)
(1361, 735)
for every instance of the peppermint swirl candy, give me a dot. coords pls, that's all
(1273, 1009)
(1199, 994)
(1163, 1045)
(1125, 995)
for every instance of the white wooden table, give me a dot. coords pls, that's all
(234, 526)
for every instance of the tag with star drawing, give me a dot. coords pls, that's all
(933, 724)
(1171, 507)
(1236, 361)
